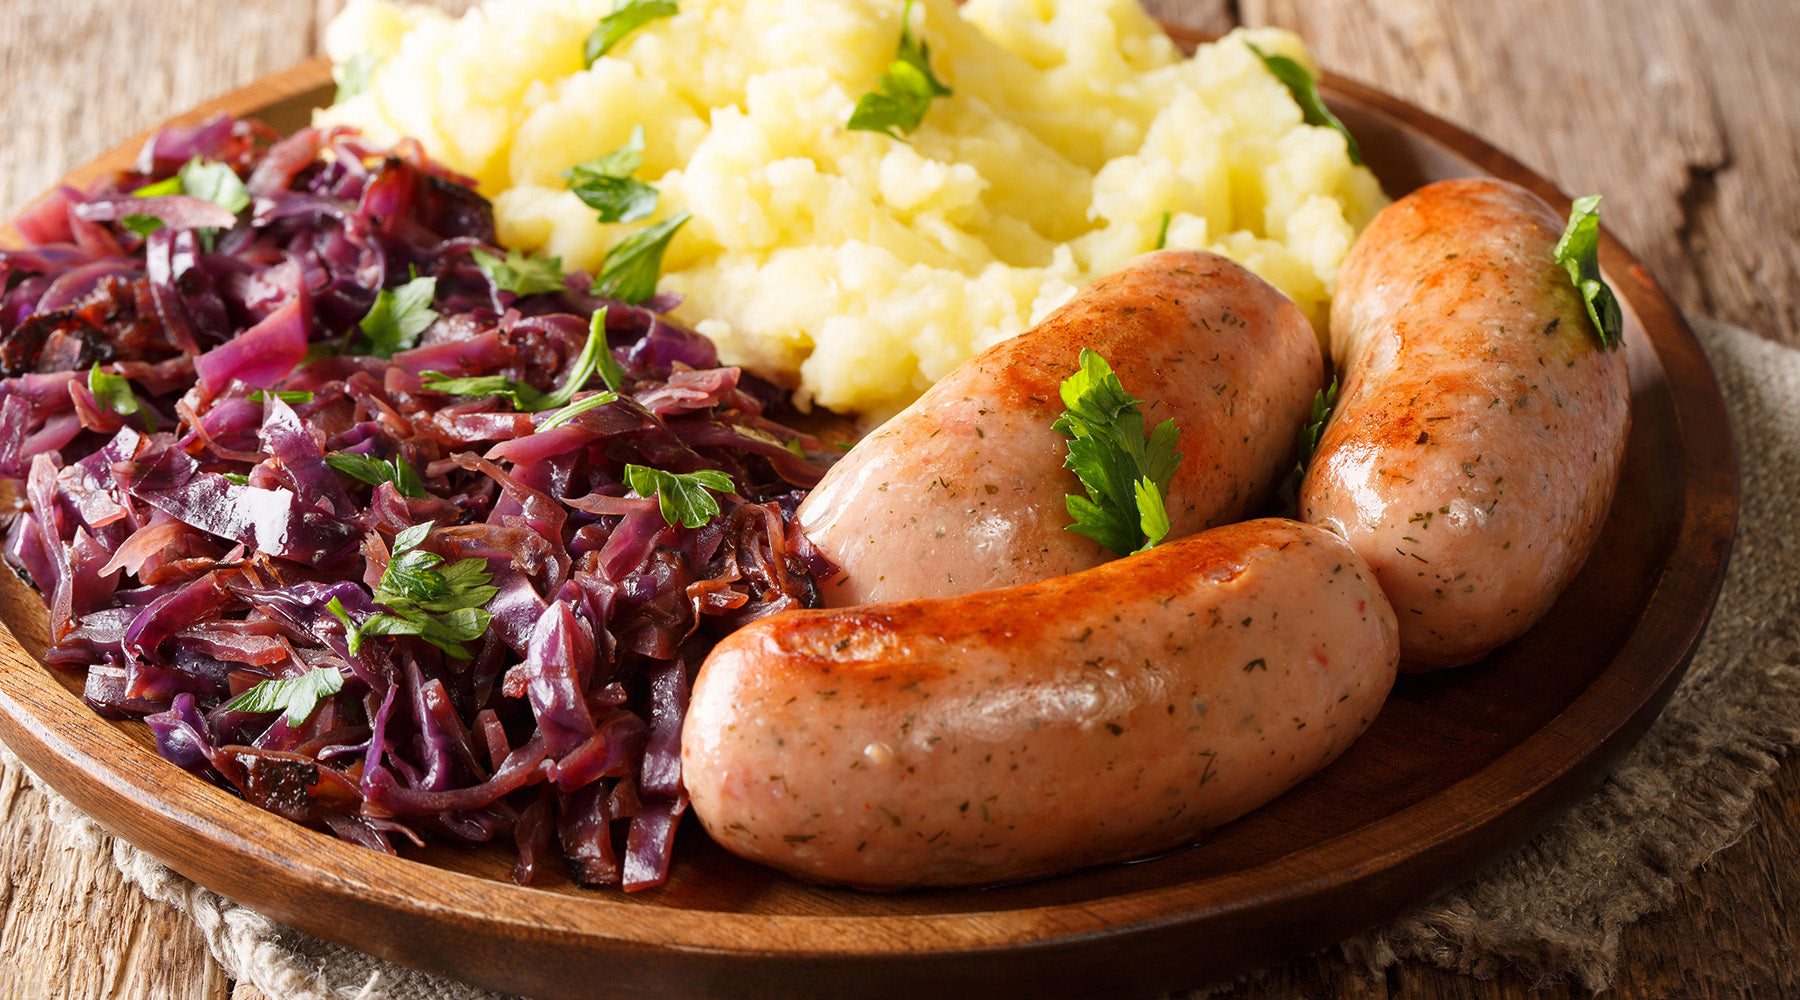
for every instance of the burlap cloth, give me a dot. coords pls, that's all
(1552, 909)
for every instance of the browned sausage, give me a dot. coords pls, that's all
(964, 489)
(1005, 734)
(1481, 428)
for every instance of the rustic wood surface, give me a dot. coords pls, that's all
(1684, 115)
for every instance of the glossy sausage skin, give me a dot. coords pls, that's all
(1480, 429)
(963, 490)
(1012, 733)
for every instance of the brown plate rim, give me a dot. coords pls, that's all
(1469, 817)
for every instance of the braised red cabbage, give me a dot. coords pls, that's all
(194, 532)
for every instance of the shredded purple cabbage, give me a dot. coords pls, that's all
(192, 545)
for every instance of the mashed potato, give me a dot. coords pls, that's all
(855, 266)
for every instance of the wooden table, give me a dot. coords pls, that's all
(1684, 115)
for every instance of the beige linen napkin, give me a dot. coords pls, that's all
(1553, 908)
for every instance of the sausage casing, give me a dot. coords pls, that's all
(963, 490)
(1011, 733)
(1481, 427)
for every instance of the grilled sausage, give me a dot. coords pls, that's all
(1481, 427)
(963, 490)
(1089, 718)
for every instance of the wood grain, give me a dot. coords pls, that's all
(72, 928)
(1712, 206)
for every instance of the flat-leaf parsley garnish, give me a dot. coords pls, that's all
(1579, 253)
(397, 318)
(295, 697)
(681, 496)
(520, 274)
(168, 185)
(593, 401)
(1125, 476)
(114, 392)
(605, 184)
(627, 16)
(285, 395)
(215, 182)
(1300, 83)
(355, 75)
(197, 178)
(374, 471)
(594, 357)
(144, 225)
(902, 95)
(444, 606)
(632, 266)
(1324, 401)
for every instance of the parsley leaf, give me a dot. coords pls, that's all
(1153, 516)
(168, 185)
(407, 479)
(586, 363)
(523, 396)
(355, 75)
(575, 409)
(295, 697)
(198, 178)
(374, 471)
(621, 162)
(443, 606)
(605, 184)
(446, 631)
(627, 16)
(631, 268)
(114, 393)
(611, 372)
(520, 274)
(1324, 401)
(215, 182)
(285, 395)
(1300, 83)
(397, 318)
(594, 356)
(143, 225)
(1125, 476)
(1579, 253)
(681, 496)
(903, 94)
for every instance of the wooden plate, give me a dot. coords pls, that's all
(1458, 768)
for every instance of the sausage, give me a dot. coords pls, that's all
(1012, 733)
(963, 490)
(1480, 429)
